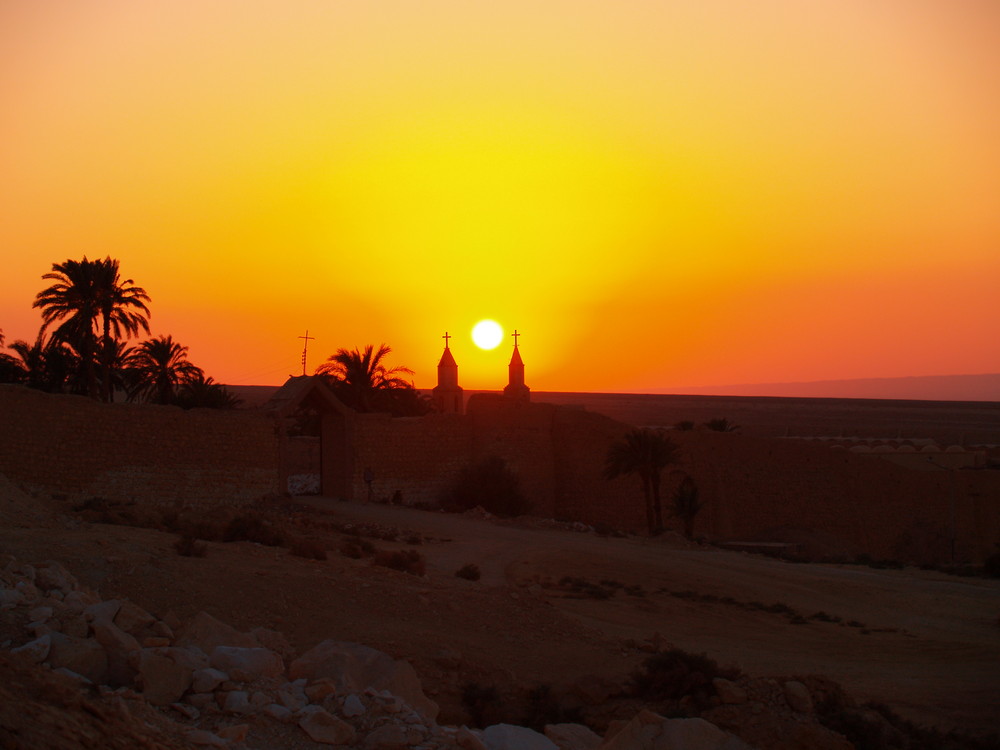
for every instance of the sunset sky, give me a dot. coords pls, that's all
(656, 194)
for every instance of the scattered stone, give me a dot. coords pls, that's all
(292, 696)
(237, 702)
(205, 632)
(729, 692)
(247, 664)
(163, 680)
(40, 614)
(204, 738)
(132, 618)
(36, 650)
(798, 697)
(235, 733)
(354, 667)
(321, 726)
(320, 689)
(207, 680)
(388, 737)
(353, 706)
(650, 731)
(51, 575)
(511, 737)
(188, 711)
(276, 711)
(467, 740)
(103, 610)
(572, 736)
(81, 655)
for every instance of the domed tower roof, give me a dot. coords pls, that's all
(516, 389)
(448, 396)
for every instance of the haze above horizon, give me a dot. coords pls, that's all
(653, 194)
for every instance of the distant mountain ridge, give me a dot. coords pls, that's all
(920, 388)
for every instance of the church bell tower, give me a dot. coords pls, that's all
(448, 396)
(516, 389)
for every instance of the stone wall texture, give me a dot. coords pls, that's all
(834, 503)
(157, 454)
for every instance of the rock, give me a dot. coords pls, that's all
(388, 737)
(273, 640)
(191, 657)
(81, 655)
(729, 692)
(276, 711)
(511, 737)
(77, 601)
(650, 731)
(235, 733)
(205, 632)
(132, 618)
(247, 664)
(353, 706)
(572, 736)
(207, 680)
(354, 667)
(466, 740)
(76, 626)
(51, 575)
(103, 610)
(798, 697)
(292, 696)
(204, 738)
(163, 680)
(186, 710)
(448, 658)
(36, 650)
(320, 689)
(237, 702)
(112, 637)
(40, 614)
(10, 598)
(322, 727)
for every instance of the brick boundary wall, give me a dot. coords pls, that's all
(161, 455)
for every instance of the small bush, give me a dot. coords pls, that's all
(490, 484)
(309, 549)
(543, 707)
(352, 550)
(408, 561)
(253, 529)
(469, 572)
(188, 546)
(482, 702)
(414, 539)
(685, 425)
(675, 674)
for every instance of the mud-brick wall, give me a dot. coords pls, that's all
(157, 454)
(414, 456)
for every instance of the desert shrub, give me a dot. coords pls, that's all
(544, 707)
(585, 589)
(721, 424)
(352, 550)
(685, 425)
(308, 548)
(248, 528)
(407, 560)
(482, 702)
(489, 483)
(469, 572)
(675, 674)
(414, 539)
(991, 566)
(188, 546)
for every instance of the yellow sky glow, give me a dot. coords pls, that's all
(656, 194)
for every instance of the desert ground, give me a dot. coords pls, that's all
(922, 642)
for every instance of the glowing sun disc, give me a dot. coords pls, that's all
(487, 334)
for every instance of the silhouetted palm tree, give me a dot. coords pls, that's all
(361, 380)
(122, 307)
(49, 365)
(644, 452)
(10, 370)
(686, 504)
(205, 393)
(157, 367)
(87, 294)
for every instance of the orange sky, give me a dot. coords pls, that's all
(657, 194)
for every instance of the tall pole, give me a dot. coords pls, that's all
(305, 349)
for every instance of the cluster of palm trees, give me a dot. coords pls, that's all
(362, 380)
(646, 453)
(89, 313)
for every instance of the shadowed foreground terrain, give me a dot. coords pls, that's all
(554, 606)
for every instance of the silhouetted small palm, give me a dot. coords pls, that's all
(721, 424)
(687, 504)
(361, 379)
(644, 452)
(205, 393)
(88, 294)
(157, 367)
(49, 365)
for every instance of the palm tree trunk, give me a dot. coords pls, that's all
(657, 507)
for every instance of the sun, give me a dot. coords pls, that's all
(487, 334)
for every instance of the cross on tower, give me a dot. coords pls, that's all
(446, 337)
(305, 349)
(515, 335)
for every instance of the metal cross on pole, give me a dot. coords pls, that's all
(515, 335)
(446, 337)
(305, 349)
